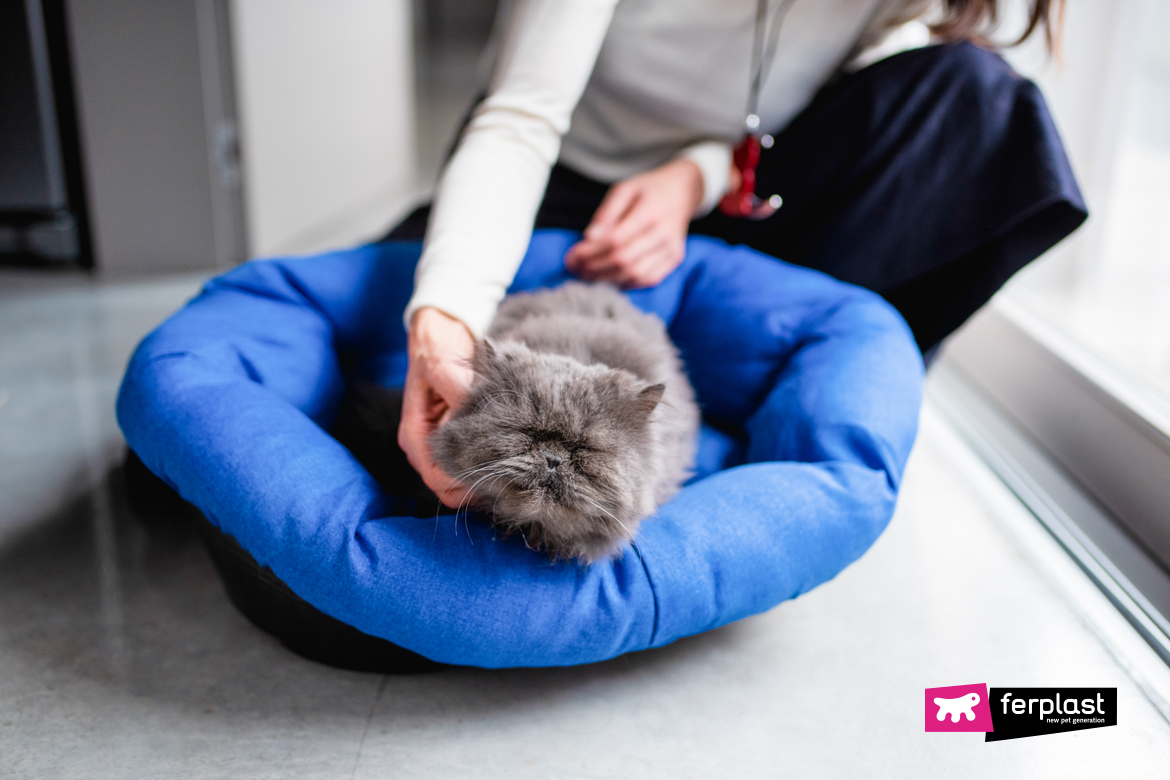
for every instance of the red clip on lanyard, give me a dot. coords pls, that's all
(743, 201)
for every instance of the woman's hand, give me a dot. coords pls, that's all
(437, 379)
(638, 235)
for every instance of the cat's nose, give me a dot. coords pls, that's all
(553, 460)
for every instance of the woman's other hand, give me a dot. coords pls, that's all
(638, 234)
(437, 379)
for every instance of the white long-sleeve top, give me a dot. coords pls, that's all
(613, 89)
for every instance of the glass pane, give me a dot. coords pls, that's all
(1110, 287)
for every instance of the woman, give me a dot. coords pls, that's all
(930, 176)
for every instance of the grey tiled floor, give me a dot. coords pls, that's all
(121, 658)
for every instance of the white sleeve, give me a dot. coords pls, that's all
(714, 161)
(490, 191)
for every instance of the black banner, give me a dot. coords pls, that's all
(1029, 712)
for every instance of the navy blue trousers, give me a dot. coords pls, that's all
(930, 177)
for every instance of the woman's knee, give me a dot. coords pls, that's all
(967, 65)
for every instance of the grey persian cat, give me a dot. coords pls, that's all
(579, 423)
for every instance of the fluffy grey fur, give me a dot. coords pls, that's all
(579, 423)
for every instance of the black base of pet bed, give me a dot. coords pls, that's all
(262, 597)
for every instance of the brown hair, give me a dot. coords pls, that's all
(974, 19)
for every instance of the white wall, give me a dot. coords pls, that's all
(140, 101)
(324, 93)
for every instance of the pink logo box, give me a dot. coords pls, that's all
(958, 708)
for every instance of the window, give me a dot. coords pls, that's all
(1063, 382)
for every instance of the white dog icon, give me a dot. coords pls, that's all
(954, 707)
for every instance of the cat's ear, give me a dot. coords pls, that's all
(647, 400)
(484, 357)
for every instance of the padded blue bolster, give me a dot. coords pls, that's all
(811, 388)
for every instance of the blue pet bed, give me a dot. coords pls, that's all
(810, 389)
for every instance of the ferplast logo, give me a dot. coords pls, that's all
(1011, 713)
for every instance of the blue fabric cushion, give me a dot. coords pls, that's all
(810, 388)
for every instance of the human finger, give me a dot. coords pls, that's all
(620, 198)
(620, 263)
(451, 378)
(417, 421)
(652, 269)
(640, 218)
(643, 217)
(422, 409)
(621, 258)
(589, 249)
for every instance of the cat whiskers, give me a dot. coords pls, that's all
(495, 477)
(462, 475)
(446, 488)
(467, 498)
(499, 495)
(611, 514)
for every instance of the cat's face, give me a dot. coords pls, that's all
(555, 449)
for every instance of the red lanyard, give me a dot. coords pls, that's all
(743, 201)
